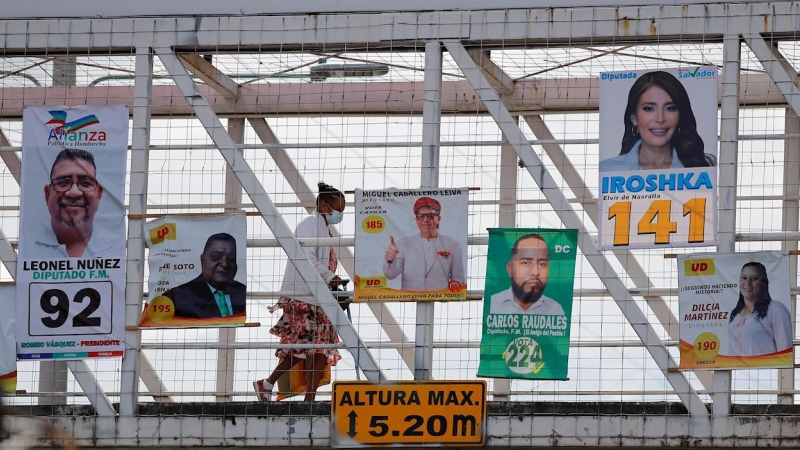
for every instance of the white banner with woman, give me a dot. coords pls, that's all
(735, 310)
(658, 148)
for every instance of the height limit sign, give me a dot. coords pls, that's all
(419, 413)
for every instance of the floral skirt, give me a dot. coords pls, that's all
(304, 323)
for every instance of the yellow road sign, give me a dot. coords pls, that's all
(416, 413)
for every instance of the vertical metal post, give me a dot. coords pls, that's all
(140, 149)
(507, 218)
(431, 126)
(726, 185)
(791, 213)
(53, 374)
(233, 196)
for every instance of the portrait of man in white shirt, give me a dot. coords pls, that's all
(528, 270)
(73, 195)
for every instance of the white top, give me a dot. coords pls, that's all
(101, 244)
(312, 226)
(503, 303)
(630, 160)
(751, 336)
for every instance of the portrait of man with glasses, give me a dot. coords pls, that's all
(428, 261)
(72, 195)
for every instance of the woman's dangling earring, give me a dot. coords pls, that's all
(635, 130)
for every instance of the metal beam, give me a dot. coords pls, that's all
(626, 258)
(373, 97)
(226, 356)
(784, 76)
(563, 209)
(10, 159)
(501, 82)
(7, 255)
(85, 378)
(431, 127)
(140, 157)
(519, 25)
(778, 69)
(506, 218)
(211, 76)
(99, 8)
(155, 387)
(726, 186)
(790, 223)
(270, 214)
(507, 213)
(306, 195)
(53, 374)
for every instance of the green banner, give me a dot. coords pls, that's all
(527, 303)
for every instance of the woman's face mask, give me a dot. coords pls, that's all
(334, 216)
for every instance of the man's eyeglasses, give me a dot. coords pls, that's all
(429, 216)
(84, 182)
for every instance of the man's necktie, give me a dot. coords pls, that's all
(223, 305)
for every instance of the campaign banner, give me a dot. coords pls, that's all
(71, 265)
(735, 310)
(658, 157)
(8, 342)
(527, 303)
(198, 271)
(411, 244)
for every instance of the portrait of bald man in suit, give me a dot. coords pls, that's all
(214, 293)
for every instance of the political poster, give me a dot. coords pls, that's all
(735, 310)
(411, 244)
(658, 157)
(71, 266)
(8, 341)
(527, 303)
(198, 271)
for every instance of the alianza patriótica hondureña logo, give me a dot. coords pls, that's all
(74, 132)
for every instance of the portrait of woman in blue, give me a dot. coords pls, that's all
(660, 128)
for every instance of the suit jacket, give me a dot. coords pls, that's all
(410, 262)
(195, 300)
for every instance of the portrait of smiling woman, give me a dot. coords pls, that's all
(660, 128)
(758, 325)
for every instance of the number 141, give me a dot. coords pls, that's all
(657, 221)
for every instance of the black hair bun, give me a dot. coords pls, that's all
(325, 187)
